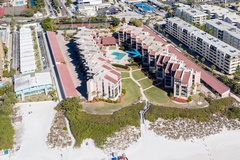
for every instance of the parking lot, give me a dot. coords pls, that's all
(44, 58)
(16, 52)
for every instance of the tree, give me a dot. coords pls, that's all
(56, 3)
(27, 12)
(147, 21)
(209, 31)
(48, 24)
(197, 57)
(213, 67)
(123, 20)
(5, 49)
(64, 33)
(116, 21)
(166, 8)
(167, 35)
(191, 2)
(136, 22)
(202, 59)
(68, 2)
(180, 45)
(13, 23)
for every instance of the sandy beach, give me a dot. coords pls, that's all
(31, 137)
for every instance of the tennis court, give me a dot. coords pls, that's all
(144, 7)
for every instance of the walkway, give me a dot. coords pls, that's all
(147, 105)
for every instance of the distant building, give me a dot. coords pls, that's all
(191, 15)
(165, 65)
(225, 32)
(216, 12)
(30, 84)
(216, 51)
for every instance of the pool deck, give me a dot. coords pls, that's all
(113, 59)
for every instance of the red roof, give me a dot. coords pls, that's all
(145, 47)
(106, 67)
(175, 67)
(103, 51)
(139, 41)
(205, 76)
(134, 36)
(101, 59)
(152, 53)
(185, 78)
(166, 59)
(178, 74)
(109, 41)
(2, 11)
(110, 79)
(159, 61)
(116, 73)
(65, 77)
(168, 68)
(66, 80)
(57, 53)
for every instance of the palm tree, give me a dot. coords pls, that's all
(202, 59)
(213, 67)
(180, 45)
(197, 57)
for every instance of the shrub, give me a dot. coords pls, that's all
(189, 99)
(120, 66)
(171, 94)
(124, 91)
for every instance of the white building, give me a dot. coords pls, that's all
(222, 14)
(216, 51)
(225, 32)
(103, 81)
(34, 83)
(191, 15)
(27, 56)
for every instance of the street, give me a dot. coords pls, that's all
(44, 58)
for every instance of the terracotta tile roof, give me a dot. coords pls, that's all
(159, 61)
(178, 74)
(121, 29)
(145, 47)
(54, 45)
(139, 41)
(134, 36)
(129, 31)
(152, 53)
(168, 68)
(110, 79)
(116, 73)
(99, 45)
(166, 59)
(106, 67)
(2, 11)
(101, 59)
(174, 67)
(103, 51)
(185, 78)
(109, 41)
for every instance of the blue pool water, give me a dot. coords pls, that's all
(118, 55)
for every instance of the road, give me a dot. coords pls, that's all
(63, 9)
(15, 51)
(44, 57)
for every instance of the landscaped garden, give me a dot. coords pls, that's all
(125, 74)
(156, 95)
(138, 74)
(145, 83)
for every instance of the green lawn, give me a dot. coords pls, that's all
(145, 83)
(121, 69)
(132, 95)
(156, 95)
(125, 74)
(138, 75)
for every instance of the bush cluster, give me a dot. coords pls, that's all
(220, 106)
(120, 66)
(98, 127)
(6, 128)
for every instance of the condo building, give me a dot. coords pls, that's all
(216, 51)
(103, 81)
(156, 57)
(225, 32)
(191, 15)
(216, 12)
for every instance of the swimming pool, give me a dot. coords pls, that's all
(118, 55)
